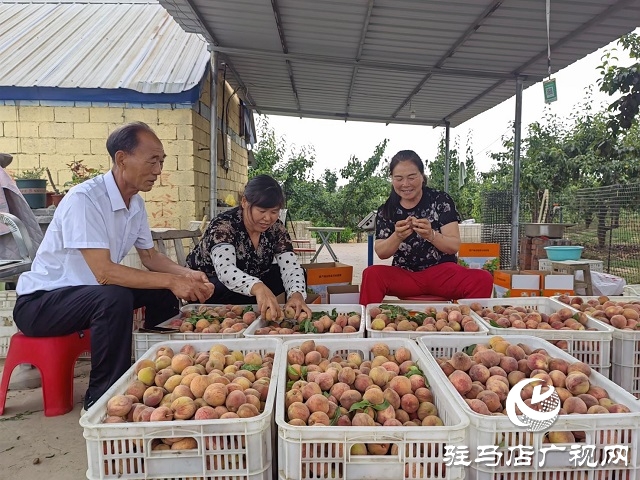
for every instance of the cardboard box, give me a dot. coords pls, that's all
(345, 294)
(322, 275)
(552, 285)
(514, 283)
(480, 255)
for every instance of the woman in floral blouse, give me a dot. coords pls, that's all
(238, 249)
(418, 226)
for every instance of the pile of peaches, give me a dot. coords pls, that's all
(214, 319)
(485, 373)
(191, 385)
(624, 315)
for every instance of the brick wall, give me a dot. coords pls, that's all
(52, 134)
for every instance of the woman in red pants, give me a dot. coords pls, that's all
(418, 226)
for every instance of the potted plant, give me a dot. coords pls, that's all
(80, 172)
(53, 198)
(33, 187)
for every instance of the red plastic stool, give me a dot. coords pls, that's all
(425, 298)
(55, 357)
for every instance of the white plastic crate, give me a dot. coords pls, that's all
(250, 332)
(421, 307)
(7, 325)
(329, 448)
(625, 351)
(485, 430)
(143, 341)
(631, 290)
(227, 449)
(594, 265)
(592, 347)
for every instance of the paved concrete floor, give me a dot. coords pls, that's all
(35, 446)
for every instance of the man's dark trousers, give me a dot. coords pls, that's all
(107, 310)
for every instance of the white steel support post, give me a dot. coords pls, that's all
(213, 144)
(447, 156)
(515, 197)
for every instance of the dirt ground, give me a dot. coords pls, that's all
(34, 446)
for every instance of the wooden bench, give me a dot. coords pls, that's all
(160, 236)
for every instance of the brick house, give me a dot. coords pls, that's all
(72, 72)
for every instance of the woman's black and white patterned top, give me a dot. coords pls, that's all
(415, 253)
(226, 252)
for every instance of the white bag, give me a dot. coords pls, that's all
(606, 284)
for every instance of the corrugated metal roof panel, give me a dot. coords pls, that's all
(452, 59)
(135, 45)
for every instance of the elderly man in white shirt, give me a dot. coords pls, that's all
(76, 281)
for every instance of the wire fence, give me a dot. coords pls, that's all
(605, 221)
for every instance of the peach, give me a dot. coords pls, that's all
(478, 406)
(137, 388)
(560, 437)
(119, 405)
(181, 361)
(537, 361)
(362, 420)
(392, 396)
(508, 364)
(558, 364)
(298, 410)
(401, 384)
(144, 414)
(409, 403)
(402, 355)
(497, 371)
(310, 389)
(348, 398)
(597, 409)
(362, 382)
(380, 350)
(589, 400)
(432, 421)
(574, 405)
(317, 403)
(183, 408)
(152, 396)
(488, 358)
(205, 413)
(619, 408)
(182, 391)
(161, 414)
(476, 388)
(375, 396)
(425, 409)
(598, 392)
(318, 418)
(295, 356)
(579, 367)
(515, 376)
(557, 378)
(461, 361)
(461, 381)
(377, 448)
(147, 375)
(491, 400)
(247, 410)
(577, 383)
(384, 415)
(234, 400)
(216, 394)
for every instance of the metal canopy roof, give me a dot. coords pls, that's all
(134, 44)
(376, 60)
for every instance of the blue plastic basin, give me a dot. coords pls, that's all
(564, 252)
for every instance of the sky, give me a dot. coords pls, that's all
(334, 141)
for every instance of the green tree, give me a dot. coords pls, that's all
(625, 81)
